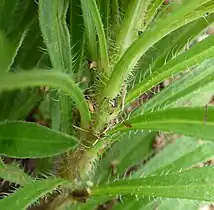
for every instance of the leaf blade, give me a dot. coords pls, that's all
(101, 36)
(30, 140)
(55, 33)
(193, 83)
(196, 122)
(27, 195)
(15, 19)
(192, 184)
(201, 154)
(52, 79)
(13, 173)
(57, 39)
(125, 35)
(168, 155)
(90, 31)
(124, 158)
(130, 58)
(201, 51)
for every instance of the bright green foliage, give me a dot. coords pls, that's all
(196, 122)
(30, 193)
(12, 173)
(124, 157)
(193, 89)
(25, 140)
(179, 155)
(113, 101)
(93, 8)
(190, 184)
(53, 25)
(13, 28)
(202, 50)
(57, 80)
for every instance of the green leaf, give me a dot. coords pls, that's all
(17, 104)
(130, 202)
(199, 52)
(148, 203)
(140, 146)
(150, 13)
(105, 9)
(52, 79)
(55, 110)
(178, 204)
(1, 162)
(30, 140)
(29, 194)
(126, 34)
(170, 46)
(92, 203)
(15, 15)
(13, 173)
(8, 51)
(90, 31)
(192, 89)
(77, 35)
(175, 42)
(202, 153)
(196, 122)
(123, 4)
(101, 35)
(200, 97)
(55, 33)
(30, 51)
(15, 18)
(186, 13)
(168, 156)
(195, 184)
(6, 103)
(57, 39)
(115, 14)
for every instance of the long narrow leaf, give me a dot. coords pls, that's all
(151, 12)
(17, 104)
(131, 203)
(15, 19)
(196, 122)
(57, 39)
(170, 158)
(196, 83)
(201, 51)
(77, 35)
(195, 184)
(8, 50)
(30, 51)
(120, 158)
(115, 13)
(13, 173)
(24, 102)
(29, 194)
(178, 39)
(104, 10)
(101, 36)
(170, 46)
(55, 33)
(179, 204)
(126, 34)
(201, 154)
(90, 31)
(182, 16)
(29, 140)
(57, 80)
